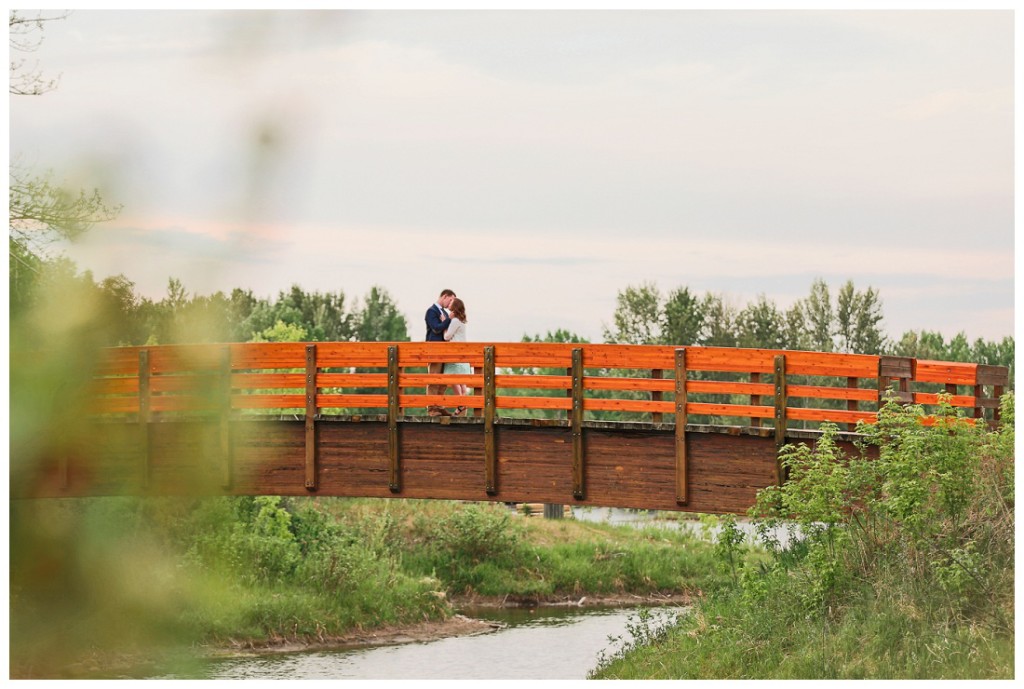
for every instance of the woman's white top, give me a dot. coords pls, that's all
(456, 332)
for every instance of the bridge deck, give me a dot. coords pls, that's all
(626, 464)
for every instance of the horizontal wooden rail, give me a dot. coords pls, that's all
(722, 384)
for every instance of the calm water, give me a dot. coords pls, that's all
(539, 644)
(645, 518)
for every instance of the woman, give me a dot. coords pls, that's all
(456, 332)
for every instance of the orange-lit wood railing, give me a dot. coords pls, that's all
(318, 377)
(773, 390)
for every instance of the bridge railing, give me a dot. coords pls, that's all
(776, 389)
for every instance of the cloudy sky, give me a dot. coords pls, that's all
(539, 162)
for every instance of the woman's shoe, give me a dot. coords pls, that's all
(459, 411)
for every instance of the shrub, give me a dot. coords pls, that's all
(473, 533)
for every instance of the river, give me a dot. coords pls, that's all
(544, 643)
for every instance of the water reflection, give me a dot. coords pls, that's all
(540, 644)
(706, 530)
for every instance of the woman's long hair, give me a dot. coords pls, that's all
(458, 310)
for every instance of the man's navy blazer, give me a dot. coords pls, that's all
(435, 326)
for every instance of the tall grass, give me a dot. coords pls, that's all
(107, 577)
(902, 565)
(483, 550)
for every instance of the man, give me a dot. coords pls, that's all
(437, 322)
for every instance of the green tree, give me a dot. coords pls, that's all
(720, 327)
(378, 319)
(281, 332)
(920, 345)
(241, 304)
(682, 320)
(638, 316)
(795, 330)
(994, 353)
(119, 307)
(761, 325)
(321, 315)
(819, 317)
(560, 335)
(859, 317)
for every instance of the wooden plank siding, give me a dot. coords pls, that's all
(624, 467)
(345, 418)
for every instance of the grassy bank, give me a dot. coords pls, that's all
(903, 568)
(98, 578)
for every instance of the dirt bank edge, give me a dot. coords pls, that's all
(457, 625)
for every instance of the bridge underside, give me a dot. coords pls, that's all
(632, 465)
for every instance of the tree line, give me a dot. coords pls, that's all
(850, 320)
(122, 317)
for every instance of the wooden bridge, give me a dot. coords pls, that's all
(654, 427)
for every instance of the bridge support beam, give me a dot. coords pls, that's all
(656, 374)
(311, 449)
(780, 413)
(998, 378)
(490, 447)
(899, 369)
(578, 458)
(681, 465)
(225, 417)
(145, 416)
(394, 460)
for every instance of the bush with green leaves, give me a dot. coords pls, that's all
(899, 563)
(252, 538)
(925, 512)
(469, 545)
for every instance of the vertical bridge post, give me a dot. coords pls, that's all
(682, 480)
(899, 369)
(311, 463)
(656, 374)
(490, 447)
(394, 466)
(998, 377)
(225, 416)
(578, 460)
(145, 415)
(780, 413)
(852, 383)
(755, 400)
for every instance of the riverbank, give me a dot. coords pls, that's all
(156, 662)
(430, 630)
(240, 575)
(615, 600)
(433, 630)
